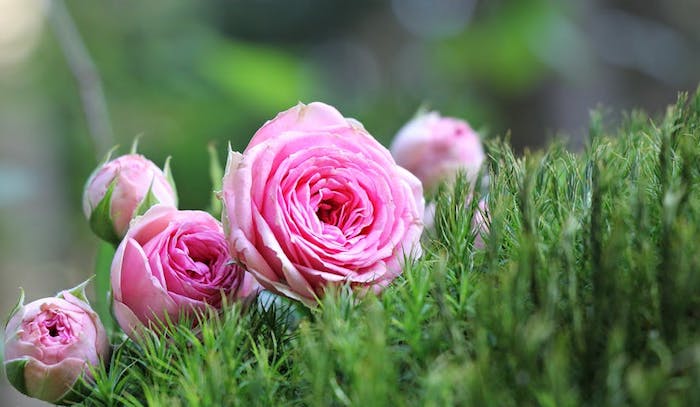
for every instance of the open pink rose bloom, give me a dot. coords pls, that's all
(50, 343)
(171, 263)
(315, 200)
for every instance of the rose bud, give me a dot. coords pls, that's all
(170, 264)
(436, 148)
(315, 201)
(123, 188)
(51, 343)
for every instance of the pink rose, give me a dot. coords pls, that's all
(50, 343)
(121, 189)
(435, 148)
(172, 263)
(316, 200)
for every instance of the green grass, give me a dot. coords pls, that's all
(587, 293)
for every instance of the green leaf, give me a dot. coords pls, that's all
(14, 370)
(101, 218)
(169, 176)
(149, 200)
(81, 389)
(135, 145)
(77, 291)
(20, 304)
(216, 173)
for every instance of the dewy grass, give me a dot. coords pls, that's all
(587, 292)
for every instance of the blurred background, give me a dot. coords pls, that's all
(78, 77)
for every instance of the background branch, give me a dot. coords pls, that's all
(85, 72)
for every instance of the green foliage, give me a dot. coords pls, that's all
(103, 294)
(501, 50)
(264, 76)
(216, 174)
(587, 293)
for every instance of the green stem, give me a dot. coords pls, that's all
(103, 304)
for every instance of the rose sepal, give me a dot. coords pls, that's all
(171, 180)
(14, 369)
(101, 219)
(16, 308)
(78, 292)
(149, 200)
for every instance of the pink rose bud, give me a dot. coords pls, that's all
(123, 188)
(436, 148)
(170, 264)
(50, 343)
(315, 200)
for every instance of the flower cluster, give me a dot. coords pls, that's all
(314, 201)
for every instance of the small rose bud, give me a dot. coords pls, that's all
(123, 188)
(50, 343)
(436, 148)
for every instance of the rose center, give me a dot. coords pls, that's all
(201, 268)
(342, 213)
(327, 212)
(56, 327)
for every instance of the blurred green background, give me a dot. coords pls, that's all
(184, 73)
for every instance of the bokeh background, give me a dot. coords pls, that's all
(80, 76)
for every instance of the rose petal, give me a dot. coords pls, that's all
(300, 118)
(145, 296)
(127, 320)
(51, 382)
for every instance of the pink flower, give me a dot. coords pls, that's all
(172, 263)
(50, 343)
(316, 200)
(435, 148)
(126, 187)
